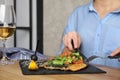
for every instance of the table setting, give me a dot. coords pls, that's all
(30, 62)
(25, 56)
(42, 71)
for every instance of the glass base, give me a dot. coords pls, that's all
(5, 61)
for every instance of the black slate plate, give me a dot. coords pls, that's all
(90, 69)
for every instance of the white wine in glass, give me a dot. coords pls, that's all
(7, 29)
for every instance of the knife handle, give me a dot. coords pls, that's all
(114, 57)
(72, 43)
(75, 49)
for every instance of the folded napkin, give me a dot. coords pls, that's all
(22, 53)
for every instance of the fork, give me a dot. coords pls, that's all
(94, 57)
(87, 60)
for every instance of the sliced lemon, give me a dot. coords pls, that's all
(32, 65)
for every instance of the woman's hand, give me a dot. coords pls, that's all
(117, 51)
(69, 37)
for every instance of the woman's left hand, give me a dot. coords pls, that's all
(115, 52)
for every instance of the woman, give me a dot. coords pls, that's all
(95, 28)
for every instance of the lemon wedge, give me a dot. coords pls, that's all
(32, 65)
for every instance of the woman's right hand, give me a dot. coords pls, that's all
(69, 37)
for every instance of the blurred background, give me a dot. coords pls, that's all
(41, 19)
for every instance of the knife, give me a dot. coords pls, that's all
(75, 49)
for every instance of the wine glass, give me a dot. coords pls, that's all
(7, 29)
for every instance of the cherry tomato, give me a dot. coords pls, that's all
(67, 53)
(78, 61)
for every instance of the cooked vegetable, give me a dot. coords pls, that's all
(58, 62)
(75, 54)
(66, 59)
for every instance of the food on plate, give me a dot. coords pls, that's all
(66, 61)
(33, 65)
(76, 67)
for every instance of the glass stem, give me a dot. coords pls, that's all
(4, 46)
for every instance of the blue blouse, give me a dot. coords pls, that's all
(99, 36)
